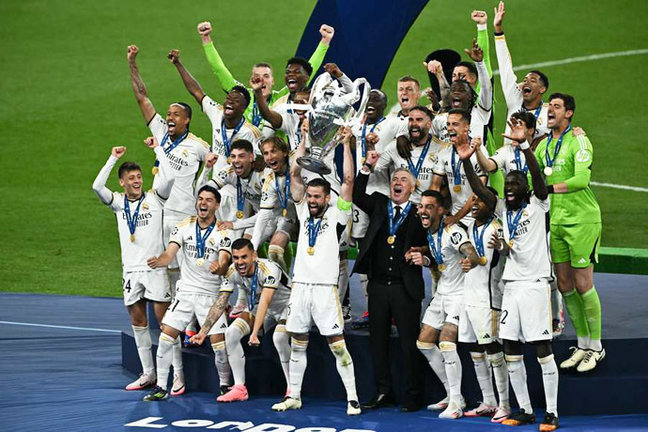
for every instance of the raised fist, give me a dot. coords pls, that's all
(333, 69)
(174, 56)
(131, 52)
(118, 151)
(204, 28)
(327, 33)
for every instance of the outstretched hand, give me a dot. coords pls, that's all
(498, 19)
(519, 132)
(475, 53)
(465, 148)
(151, 142)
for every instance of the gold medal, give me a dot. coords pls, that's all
(200, 261)
(510, 243)
(391, 239)
(310, 250)
(548, 171)
(132, 237)
(284, 212)
(442, 267)
(483, 260)
(155, 170)
(457, 188)
(363, 160)
(418, 183)
(229, 160)
(239, 214)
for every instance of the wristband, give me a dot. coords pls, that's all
(501, 246)
(498, 33)
(524, 145)
(550, 189)
(368, 165)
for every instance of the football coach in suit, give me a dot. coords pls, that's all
(396, 287)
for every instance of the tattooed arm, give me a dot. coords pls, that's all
(147, 108)
(213, 315)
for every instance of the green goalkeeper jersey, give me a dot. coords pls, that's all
(573, 166)
(227, 81)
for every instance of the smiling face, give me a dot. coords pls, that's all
(131, 181)
(558, 117)
(375, 107)
(479, 210)
(241, 160)
(206, 206)
(419, 125)
(274, 157)
(317, 200)
(532, 89)
(401, 186)
(463, 73)
(516, 189)
(457, 125)
(301, 97)
(177, 121)
(409, 94)
(244, 260)
(295, 77)
(430, 210)
(234, 106)
(265, 73)
(460, 96)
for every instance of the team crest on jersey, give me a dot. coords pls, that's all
(175, 231)
(525, 213)
(145, 206)
(455, 238)
(211, 241)
(185, 153)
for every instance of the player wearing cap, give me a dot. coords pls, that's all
(206, 253)
(575, 227)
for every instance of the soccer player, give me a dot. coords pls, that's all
(526, 306)
(205, 259)
(228, 122)
(314, 296)
(185, 153)
(575, 227)
(263, 294)
(264, 71)
(246, 181)
(408, 91)
(139, 222)
(423, 152)
(479, 319)
(450, 166)
(453, 255)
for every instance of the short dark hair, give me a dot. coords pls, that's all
(241, 144)
(409, 78)
(543, 78)
(241, 243)
(320, 182)
(262, 64)
(126, 167)
(211, 190)
(472, 69)
(436, 195)
(186, 107)
(568, 100)
(302, 62)
(465, 115)
(423, 109)
(521, 175)
(381, 94)
(243, 91)
(527, 117)
(277, 142)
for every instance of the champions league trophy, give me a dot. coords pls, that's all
(330, 109)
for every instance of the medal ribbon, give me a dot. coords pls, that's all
(363, 137)
(240, 198)
(521, 166)
(313, 230)
(456, 171)
(200, 240)
(436, 249)
(131, 221)
(415, 170)
(256, 115)
(283, 200)
(253, 287)
(513, 222)
(394, 225)
(549, 161)
(173, 145)
(228, 142)
(479, 238)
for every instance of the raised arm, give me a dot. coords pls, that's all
(481, 19)
(487, 164)
(189, 81)
(512, 94)
(346, 191)
(297, 187)
(524, 136)
(223, 75)
(273, 117)
(99, 184)
(360, 197)
(465, 151)
(435, 67)
(139, 89)
(327, 32)
(485, 87)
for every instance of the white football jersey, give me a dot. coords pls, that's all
(148, 231)
(195, 276)
(482, 284)
(444, 167)
(269, 275)
(451, 281)
(251, 187)
(185, 161)
(323, 266)
(479, 118)
(290, 127)
(529, 259)
(271, 197)
(248, 132)
(505, 158)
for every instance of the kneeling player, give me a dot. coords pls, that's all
(526, 305)
(263, 296)
(206, 257)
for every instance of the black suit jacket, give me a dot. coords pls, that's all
(375, 205)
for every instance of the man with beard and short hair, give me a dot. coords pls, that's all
(422, 149)
(260, 70)
(263, 291)
(526, 305)
(314, 296)
(205, 258)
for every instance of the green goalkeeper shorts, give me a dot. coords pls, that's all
(577, 244)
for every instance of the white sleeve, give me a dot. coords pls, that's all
(99, 184)
(166, 174)
(512, 93)
(158, 127)
(458, 237)
(500, 157)
(248, 222)
(385, 159)
(347, 84)
(203, 179)
(486, 88)
(500, 209)
(263, 217)
(543, 204)
(212, 109)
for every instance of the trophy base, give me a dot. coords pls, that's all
(314, 165)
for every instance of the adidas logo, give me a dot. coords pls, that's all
(486, 336)
(223, 325)
(546, 332)
(190, 238)
(336, 327)
(456, 317)
(582, 261)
